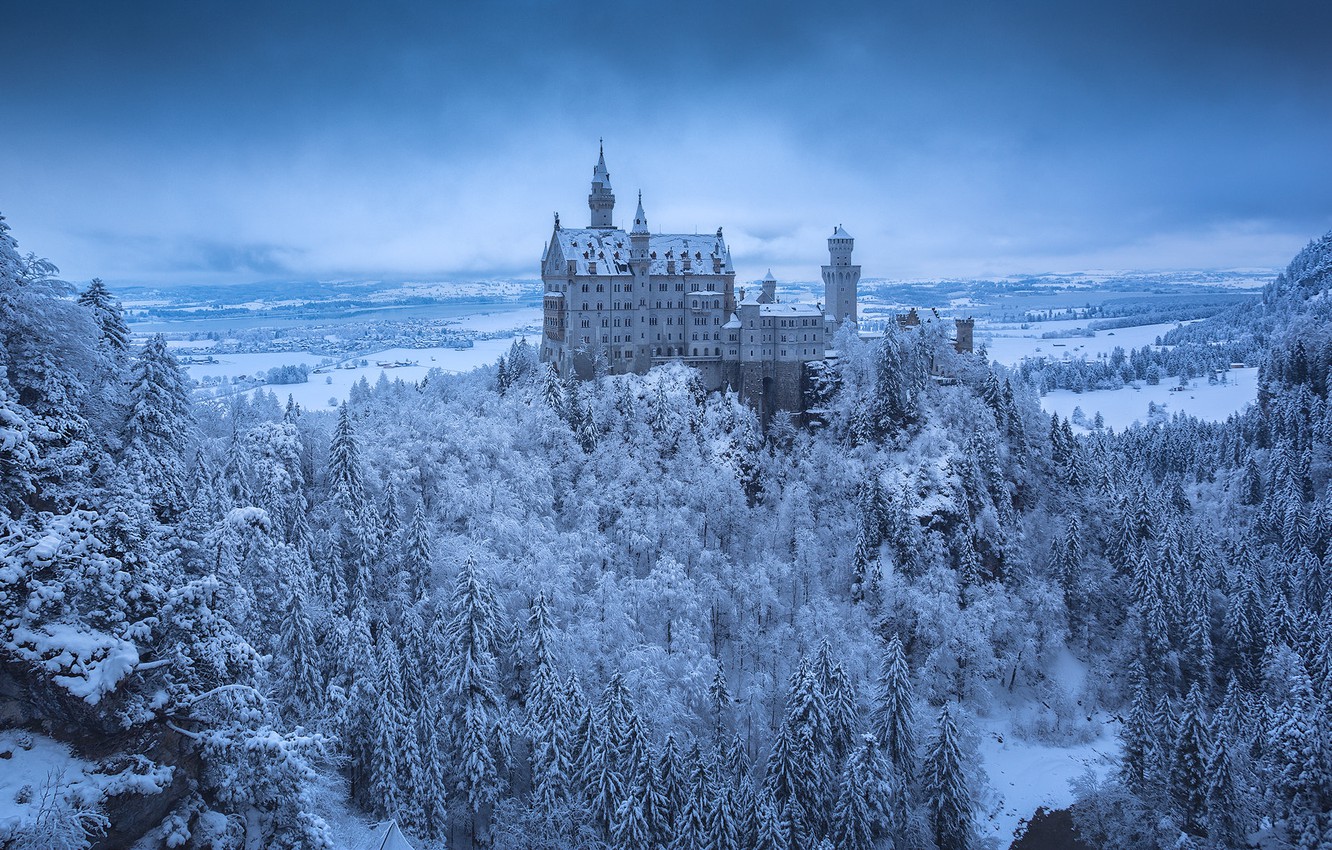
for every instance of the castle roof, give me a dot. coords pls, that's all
(839, 233)
(789, 308)
(609, 249)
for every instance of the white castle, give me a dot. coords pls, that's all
(618, 302)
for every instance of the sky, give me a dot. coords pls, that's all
(210, 143)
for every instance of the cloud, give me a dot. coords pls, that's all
(411, 138)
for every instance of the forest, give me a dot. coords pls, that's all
(511, 611)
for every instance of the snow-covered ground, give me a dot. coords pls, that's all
(336, 383)
(1121, 408)
(1011, 344)
(1026, 775)
(29, 765)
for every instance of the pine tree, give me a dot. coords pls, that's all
(1226, 822)
(417, 559)
(893, 719)
(304, 687)
(158, 427)
(470, 687)
(771, 833)
(430, 790)
(1189, 765)
(1139, 742)
(106, 310)
(391, 729)
(344, 464)
(865, 800)
(720, 699)
(945, 787)
(1297, 757)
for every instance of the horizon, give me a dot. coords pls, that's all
(220, 144)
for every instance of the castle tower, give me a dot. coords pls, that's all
(840, 279)
(769, 291)
(639, 238)
(601, 200)
(966, 329)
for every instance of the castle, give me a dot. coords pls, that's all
(617, 302)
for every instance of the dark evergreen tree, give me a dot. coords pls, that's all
(945, 788)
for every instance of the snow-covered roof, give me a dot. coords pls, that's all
(733, 323)
(609, 249)
(388, 836)
(790, 309)
(768, 277)
(839, 233)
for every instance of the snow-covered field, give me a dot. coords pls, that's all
(1010, 344)
(336, 383)
(1121, 408)
(1025, 775)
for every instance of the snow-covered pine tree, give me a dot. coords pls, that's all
(158, 428)
(472, 693)
(114, 333)
(1189, 766)
(944, 785)
(893, 718)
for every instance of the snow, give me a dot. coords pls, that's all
(92, 663)
(1121, 408)
(336, 383)
(1025, 775)
(387, 836)
(32, 763)
(29, 761)
(1010, 344)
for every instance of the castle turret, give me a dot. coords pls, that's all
(769, 284)
(966, 329)
(601, 201)
(639, 239)
(840, 278)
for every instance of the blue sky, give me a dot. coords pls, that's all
(201, 142)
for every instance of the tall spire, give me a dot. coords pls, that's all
(640, 217)
(601, 201)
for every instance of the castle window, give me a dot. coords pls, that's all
(587, 323)
(585, 287)
(601, 287)
(584, 303)
(598, 305)
(628, 287)
(679, 287)
(605, 323)
(661, 287)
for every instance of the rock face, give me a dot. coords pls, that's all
(30, 701)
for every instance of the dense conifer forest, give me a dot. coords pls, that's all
(511, 611)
